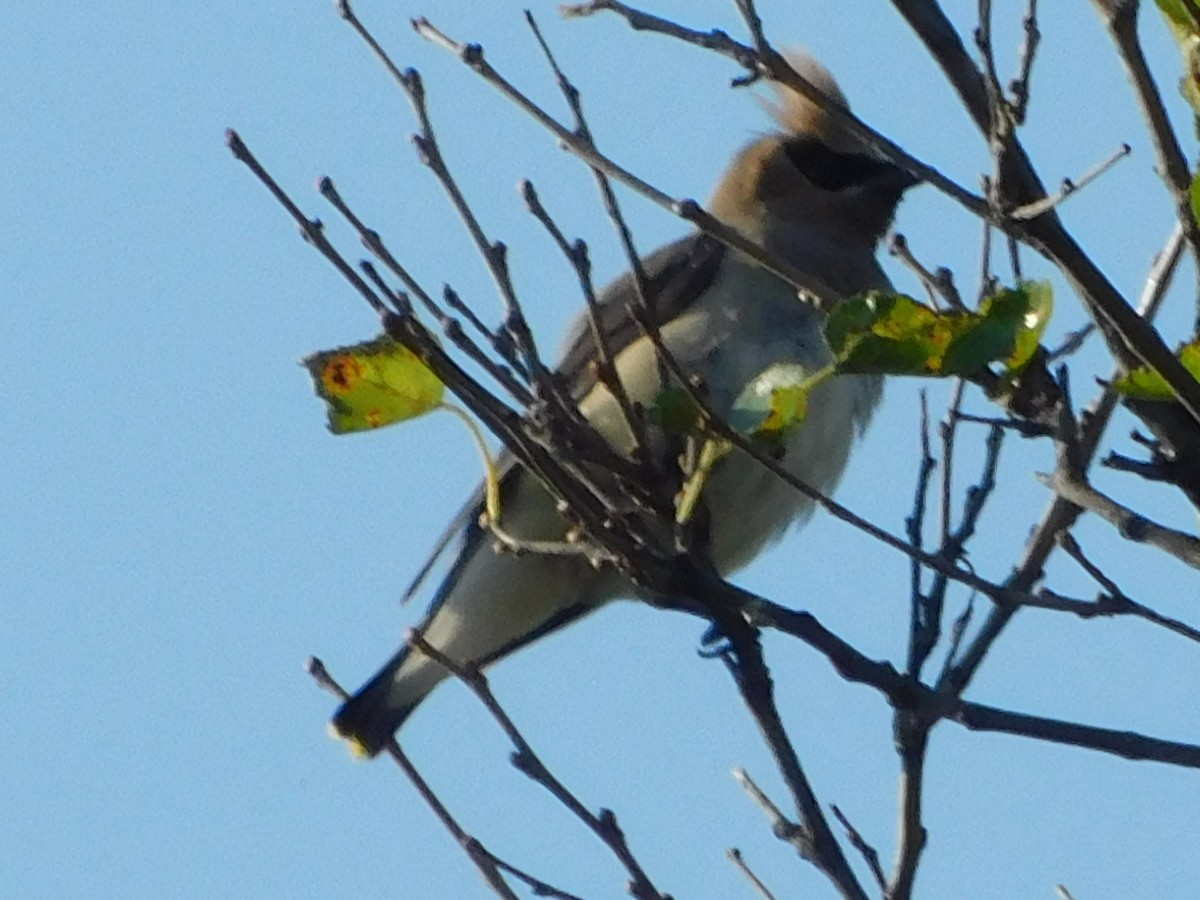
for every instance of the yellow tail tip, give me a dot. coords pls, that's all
(357, 748)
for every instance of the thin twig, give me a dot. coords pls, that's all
(735, 856)
(687, 209)
(1019, 87)
(781, 826)
(869, 854)
(1060, 515)
(606, 372)
(1070, 187)
(527, 761)
(815, 839)
(1107, 605)
(1121, 19)
(1130, 525)
(483, 859)
(939, 284)
(919, 624)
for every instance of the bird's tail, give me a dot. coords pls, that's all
(371, 716)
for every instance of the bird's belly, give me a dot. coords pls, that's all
(750, 507)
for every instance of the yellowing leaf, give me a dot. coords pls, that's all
(373, 384)
(776, 401)
(1144, 383)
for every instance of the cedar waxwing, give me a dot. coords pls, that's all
(809, 194)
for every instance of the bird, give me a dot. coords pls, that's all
(808, 192)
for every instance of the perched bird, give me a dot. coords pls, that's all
(811, 195)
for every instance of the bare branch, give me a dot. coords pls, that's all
(1129, 524)
(814, 838)
(606, 372)
(1121, 20)
(936, 284)
(781, 826)
(912, 740)
(1127, 744)
(1061, 514)
(1108, 605)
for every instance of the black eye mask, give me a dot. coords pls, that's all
(830, 170)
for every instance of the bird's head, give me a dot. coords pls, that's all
(811, 172)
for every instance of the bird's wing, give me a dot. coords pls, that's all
(676, 275)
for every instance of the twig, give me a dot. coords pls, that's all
(939, 284)
(1019, 87)
(1129, 524)
(606, 369)
(1127, 744)
(1070, 187)
(687, 209)
(781, 826)
(606, 374)
(1121, 20)
(869, 854)
(1108, 605)
(604, 825)
(735, 856)
(1070, 545)
(955, 542)
(484, 860)
(814, 838)
(919, 624)
(1071, 343)
(1060, 515)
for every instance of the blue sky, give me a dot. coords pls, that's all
(182, 531)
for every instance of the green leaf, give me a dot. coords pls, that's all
(1008, 327)
(373, 384)
(988, 336)
(896, 335)
(1195, 195)
(674, 411)
(888, 334)
(1181, 16)
(1039, 306)
(1145, 383)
